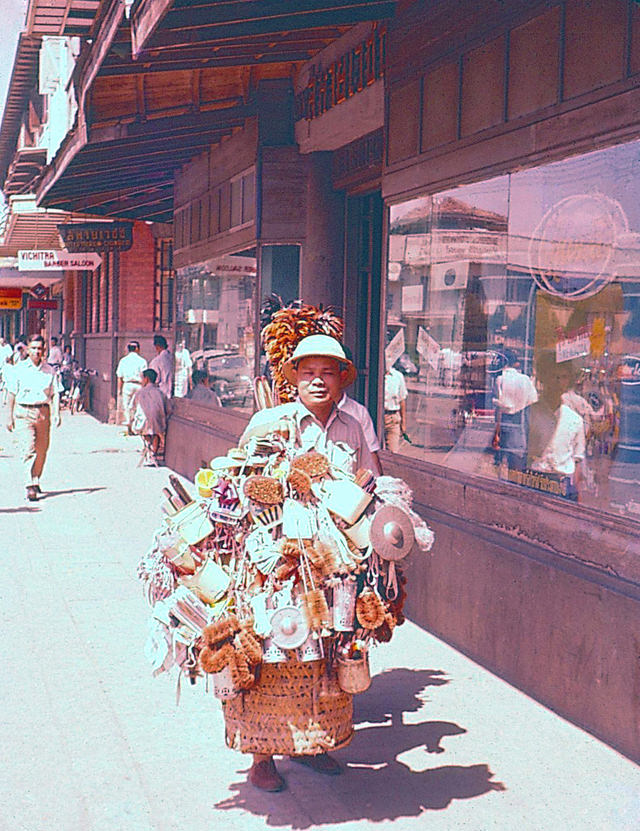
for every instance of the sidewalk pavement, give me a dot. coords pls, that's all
(91, 742)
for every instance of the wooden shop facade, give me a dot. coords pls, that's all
(460, 179)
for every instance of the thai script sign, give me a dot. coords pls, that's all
(80, 237)
(343, 78)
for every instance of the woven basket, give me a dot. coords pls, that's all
(294, 708)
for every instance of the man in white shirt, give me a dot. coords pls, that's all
(395, 397)
(54, 358)
(129, 374)
(33, 403)
(565, 452)
(6, 353)
(361, 415)
(163, 364)
(515, 392)
(183, 366)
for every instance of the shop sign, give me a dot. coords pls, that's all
(468, 245)
(49, 305)
(39, 290)
(573, 346)
(81, 237)
(538, 480)
(344, 77)
(10, 298)
(53, 260)
(572, 253)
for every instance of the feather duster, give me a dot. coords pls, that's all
(215, 660)
(220, 630)
(241, 675)
(286, 328)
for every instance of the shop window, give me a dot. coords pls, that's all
(164, 284)
(215, 331)
(513, 329)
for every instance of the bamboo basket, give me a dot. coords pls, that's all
(294, 708)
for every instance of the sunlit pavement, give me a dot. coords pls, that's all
(91, 741)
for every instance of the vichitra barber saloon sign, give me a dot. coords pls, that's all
(57, 261)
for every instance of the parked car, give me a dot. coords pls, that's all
(231, 378)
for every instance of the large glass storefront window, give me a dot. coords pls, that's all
(215, 331)
(513, 329)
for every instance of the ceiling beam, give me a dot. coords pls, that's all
(146, 16)
(125, 198)
(173, 126)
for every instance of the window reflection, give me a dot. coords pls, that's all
(513, 321)
(215, 351)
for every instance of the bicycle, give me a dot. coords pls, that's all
(78, 395)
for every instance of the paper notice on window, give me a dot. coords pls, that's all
(394, 348)
(574, 346)
(428, 348)
(412, 298)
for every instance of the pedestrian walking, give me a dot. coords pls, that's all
(33, 403)
(163, 364)
(395, 398)
(150, 411)
(54, 358)
(6, 353)
(129, 374)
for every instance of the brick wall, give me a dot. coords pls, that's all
(136, 282)
(69, 300)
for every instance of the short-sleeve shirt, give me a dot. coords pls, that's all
(567, 444)
(131, 367)
(361, 415)
(163, 365)
(515, 391)
(31, 384)
(395, 390)
(341, 428)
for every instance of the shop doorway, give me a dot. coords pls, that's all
(363, 293)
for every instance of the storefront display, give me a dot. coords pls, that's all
(513, 315)
(216, 322)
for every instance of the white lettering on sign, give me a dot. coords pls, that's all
(53, 260)
(574, 346)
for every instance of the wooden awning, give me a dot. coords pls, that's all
(156, 90)
(61, 17)
(24, 78)
(244, 30)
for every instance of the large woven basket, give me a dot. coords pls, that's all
(294, 708)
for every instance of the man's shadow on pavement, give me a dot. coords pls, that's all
(376, 784)
(49, 494)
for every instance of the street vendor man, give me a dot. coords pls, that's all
(319, 369)
(33, 404)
